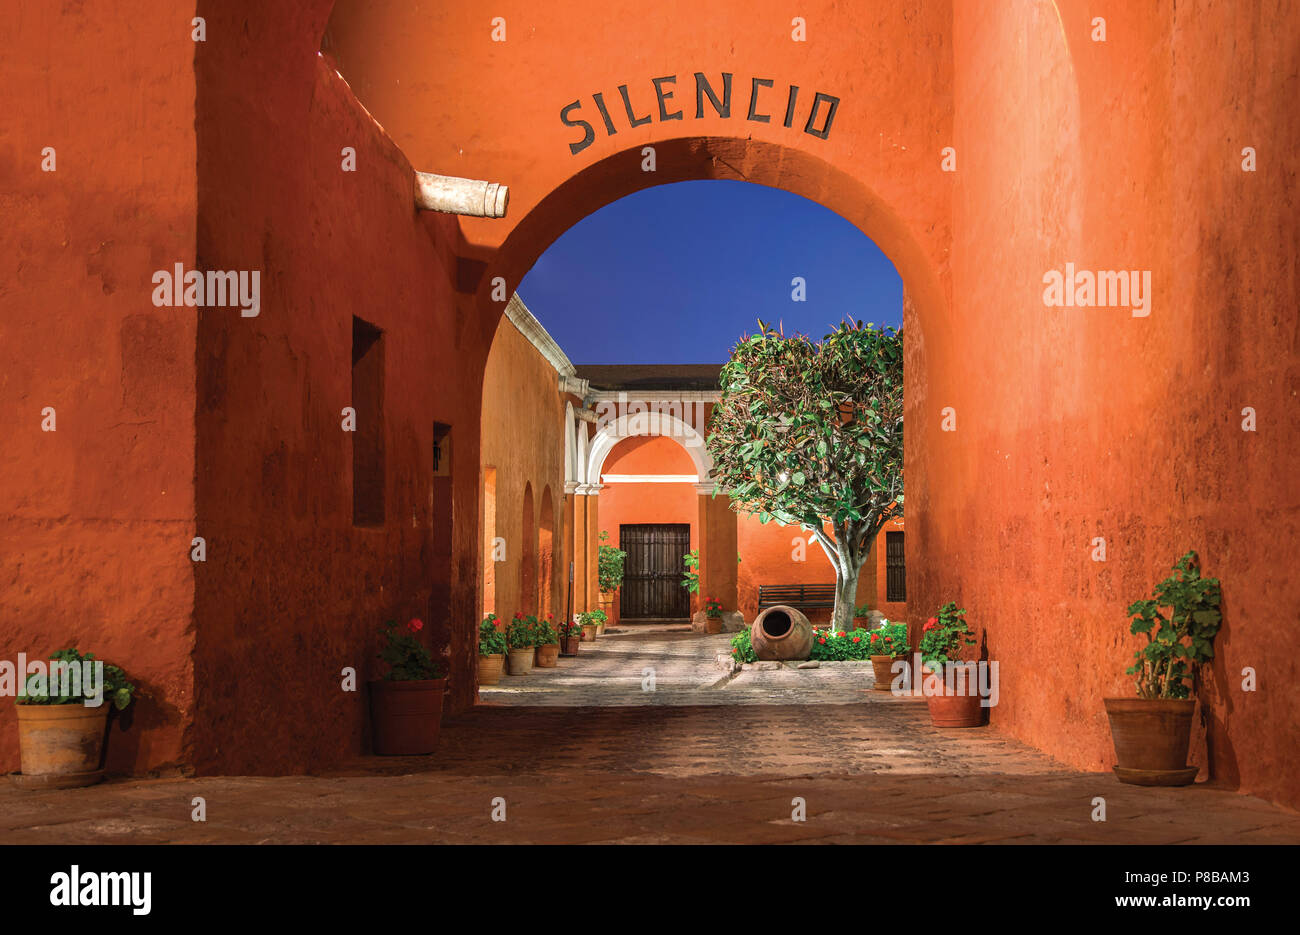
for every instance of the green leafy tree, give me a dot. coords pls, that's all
(811, 433)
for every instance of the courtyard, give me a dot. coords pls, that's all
(581, 754)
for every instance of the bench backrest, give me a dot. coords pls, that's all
(796, 595)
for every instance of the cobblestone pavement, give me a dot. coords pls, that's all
(869, 767)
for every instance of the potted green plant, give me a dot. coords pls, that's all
(587, 621)
(860, 619)
(570, 636)
(609, 569)
(955, 701)
(599, 618)
(887, 643)
(546, 643)
(1152, 731)
(520, 639)
(712, 615)
(491, 651)
(406, 704)
(63, 720)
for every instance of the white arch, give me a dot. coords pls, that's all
(580, 464)
(571, 466)
(632, 425)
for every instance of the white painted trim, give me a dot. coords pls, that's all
(649, 479)
(626, 426)
(653, 396)
(538, 337)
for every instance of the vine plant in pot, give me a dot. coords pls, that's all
(547, 643)
(491, 651)
(1152, 731)
(406, 704)
(609, 565)
(888, 642)
(950, 684)
(63, 720)
(599, 618)
(520, 638)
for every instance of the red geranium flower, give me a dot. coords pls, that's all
(840, 634)
(857, 639)
(822, 640)
(416, 625)
(874, 637)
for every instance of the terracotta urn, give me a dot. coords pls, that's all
(406, 716)
(61, 745)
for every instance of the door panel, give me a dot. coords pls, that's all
(652, 576)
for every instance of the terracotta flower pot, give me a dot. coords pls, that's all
(490, 668)
(882, 668)
(589, 633)
(1151, 737)
(569, 645)
(521, 660)
(548, 656)
(405, 717)
(61, 745)
(600, 629)
(712, 625)
(950, 709)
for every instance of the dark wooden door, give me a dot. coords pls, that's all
(652, 576)
(895, 568)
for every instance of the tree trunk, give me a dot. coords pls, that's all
(846, 593)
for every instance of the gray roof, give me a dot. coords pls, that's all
(651, 376)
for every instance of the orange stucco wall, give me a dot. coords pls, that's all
(523, 438)
(1071, 423)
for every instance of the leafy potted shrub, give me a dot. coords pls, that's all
(1152, 731)
(609, 569)
(712, 615)
(942, 639)
(546, 643)
(588, 623)
(860, 619)
(570, 636)
(520, 639)
(886, 643)
(63, 719)
(491, 651)
(406, 704)
(599, 617)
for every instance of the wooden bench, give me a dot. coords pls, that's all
(797, 596)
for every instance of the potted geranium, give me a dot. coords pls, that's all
(1152, 731)
(491, 651)
(587, 621)
(712, 615)
(547, 643)
(599, 617)
(406, 704)
(942, 638)
(63, 719)
(570, 636)
(521, 636)
(887, 643)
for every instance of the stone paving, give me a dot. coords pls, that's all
(869, 767)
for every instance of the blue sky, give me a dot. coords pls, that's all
(677, 273)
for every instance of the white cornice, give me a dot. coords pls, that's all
(668, 396)
(538, 337)
(649, 478)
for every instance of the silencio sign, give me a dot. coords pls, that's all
(765, 104)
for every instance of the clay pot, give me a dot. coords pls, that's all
(1151, 737)
(589, 633)
(61, 745)
(547, 656)
(521, 661)
(600, 629)
(405, 716)
(882, 668)
(712, 625)
(490, 668)
(950, 709)
(781, 633)
(569, 645)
